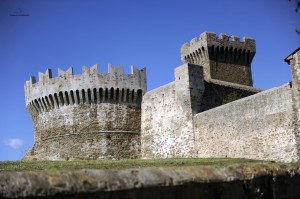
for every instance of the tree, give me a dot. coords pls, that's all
(297, 8)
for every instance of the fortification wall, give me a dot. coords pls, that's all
(88, 87)
(167, 122)
(224, 58)
(217, 92)
(261, 126)
(87, 146)
(96, 115)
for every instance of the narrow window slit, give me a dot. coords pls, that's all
(44, 104)
(127, 96)
(83, 96)
(41, 105)
(51, 101)
(56, 99)
(61, 98)
(67, 98)
(72, 97)
(100, 95)
(89, 96)
(77, 97)
(122, 95)
(132, 96)
(48, 103)
(106, 95)
(112, 94)
(37, 105)
(95, 96)
(117, 94)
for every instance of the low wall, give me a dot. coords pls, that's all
(262, 126)
(252, 181)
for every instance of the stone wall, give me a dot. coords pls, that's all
(231, 72)
(261, 126)
(217, 91)
(86, 116)
(167, 122)
(85, 127)
(87, 146)
(51, 92)
(243, 181)
(224, 58)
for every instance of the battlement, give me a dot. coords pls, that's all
(90, 87)
(222, 48)
(220, 55)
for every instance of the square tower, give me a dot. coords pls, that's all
(223, 58)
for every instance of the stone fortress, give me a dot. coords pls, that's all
(112, 116)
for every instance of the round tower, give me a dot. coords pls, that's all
(223, 58)
(86, 116)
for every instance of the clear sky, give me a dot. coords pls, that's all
(61, 33)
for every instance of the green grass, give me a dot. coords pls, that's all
(122, 164)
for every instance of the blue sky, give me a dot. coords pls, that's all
(128, 32)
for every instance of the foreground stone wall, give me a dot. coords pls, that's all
(261, 126)
(248, 181)
(167, 122)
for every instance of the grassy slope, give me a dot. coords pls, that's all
(122, 164)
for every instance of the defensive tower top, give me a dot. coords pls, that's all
(224, 58)
(88, 87)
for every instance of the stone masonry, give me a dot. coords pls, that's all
(98, 116)
(224, 58)
(86, 116)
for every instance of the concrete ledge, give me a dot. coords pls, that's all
(269, 181)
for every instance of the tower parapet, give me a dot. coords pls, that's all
(90, 87)
(224, 58)
(87, 116)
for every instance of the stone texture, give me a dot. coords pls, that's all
(264, 125)
(224, 58)
(167, 126)
(251, 181)
(216, 91)
(259, 127)
(87, 146)
(111, 115)
(87, 116)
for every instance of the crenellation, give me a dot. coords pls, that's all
(194, 41)
(32, 80)
(45, 78)
(221, 56)
(59, 106)
(115, 70)
(249, 40)
(65, 74)
(94, 70)
(235, 38)
(224, 37)
(89, 79)
(61, 73)
(85, 70)
(208, 36)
